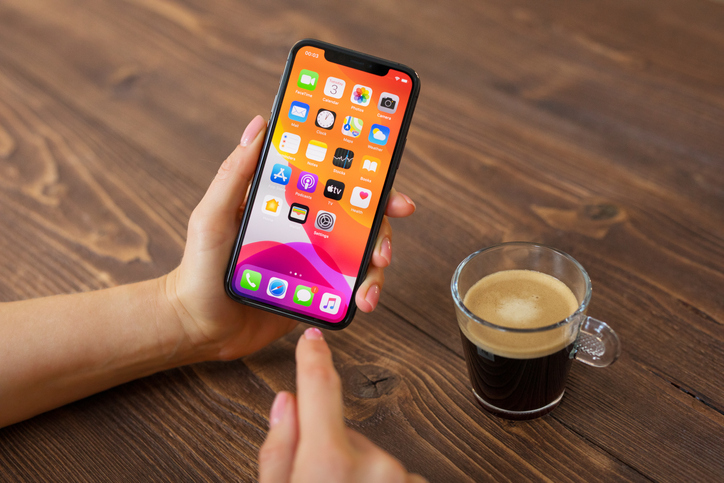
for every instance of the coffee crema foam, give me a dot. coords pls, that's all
(520, 299)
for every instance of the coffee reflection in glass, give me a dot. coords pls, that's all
(521, 311)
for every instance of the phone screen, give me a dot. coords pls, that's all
(324, 173)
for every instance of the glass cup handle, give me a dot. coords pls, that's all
(597, 344)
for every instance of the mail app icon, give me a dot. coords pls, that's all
(298, 111)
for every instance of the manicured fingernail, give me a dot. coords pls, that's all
(252, 131)
(313, 333)
(277, 409)
(373, 295)
(409, 200)
(386, 250)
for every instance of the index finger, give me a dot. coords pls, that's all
(319, 390)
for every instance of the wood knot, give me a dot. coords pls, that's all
(124, 80)
(369, 381)
(600, 211)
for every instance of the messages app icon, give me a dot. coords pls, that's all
(303, 295)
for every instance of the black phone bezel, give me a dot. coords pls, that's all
(359, 61)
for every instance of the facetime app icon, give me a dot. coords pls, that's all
(307, 79)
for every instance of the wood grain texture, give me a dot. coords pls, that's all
(595, 127)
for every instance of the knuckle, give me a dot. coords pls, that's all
(325, 374)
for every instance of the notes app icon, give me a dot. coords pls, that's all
(316, 150)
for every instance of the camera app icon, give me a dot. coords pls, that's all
(388, 102)
(325, 220)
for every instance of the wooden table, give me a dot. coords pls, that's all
(596, 127)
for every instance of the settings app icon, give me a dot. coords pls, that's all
(325, 220)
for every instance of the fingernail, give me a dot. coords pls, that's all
(252, 131)
(386, 250)
(277, 409)
(373, 295)
(313, 333)
(409, 200)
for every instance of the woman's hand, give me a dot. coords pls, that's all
(308, 441)
(209, 318)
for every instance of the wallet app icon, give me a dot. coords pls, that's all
(298, 111)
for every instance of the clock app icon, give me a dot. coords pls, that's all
(325, 119)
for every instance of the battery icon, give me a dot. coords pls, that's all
(404, 80)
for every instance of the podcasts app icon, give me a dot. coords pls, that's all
(307, 182)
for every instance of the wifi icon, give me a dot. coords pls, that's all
(397, 78)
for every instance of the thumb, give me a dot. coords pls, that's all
(276, 457)
(224, 197)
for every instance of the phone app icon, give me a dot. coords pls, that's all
(343, 158)
(307, 182)
(303, 295)
(281, 174)
(316, 150)
(334, 87)
(298, 213)
(388, 102)
(298, 111)
(379, 134)
(272, 205)
(277, 287)
(250, 280)
(330, 303)
(307, 79)
(290, 143)
(325, 119)
(334, 189)
(370, 164)
(361, 95)
(360, 197)
(352, 126)
(325, 220)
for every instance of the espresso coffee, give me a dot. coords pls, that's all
(520, 373)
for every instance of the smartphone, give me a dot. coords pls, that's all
(333, 144)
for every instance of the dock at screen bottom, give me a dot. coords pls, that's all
(290, 293)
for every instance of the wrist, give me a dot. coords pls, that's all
(179, 336)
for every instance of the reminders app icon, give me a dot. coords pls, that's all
(298, 111)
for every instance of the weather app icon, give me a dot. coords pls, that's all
(379, 134)
(281, 174)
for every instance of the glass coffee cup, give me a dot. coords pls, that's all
(519, 358)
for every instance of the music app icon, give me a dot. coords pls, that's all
(330, 303)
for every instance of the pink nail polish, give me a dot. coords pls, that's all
(277, 409)
(373, 295)
(386, 250)
(313, 333)
(409, 200)
(252, 131)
